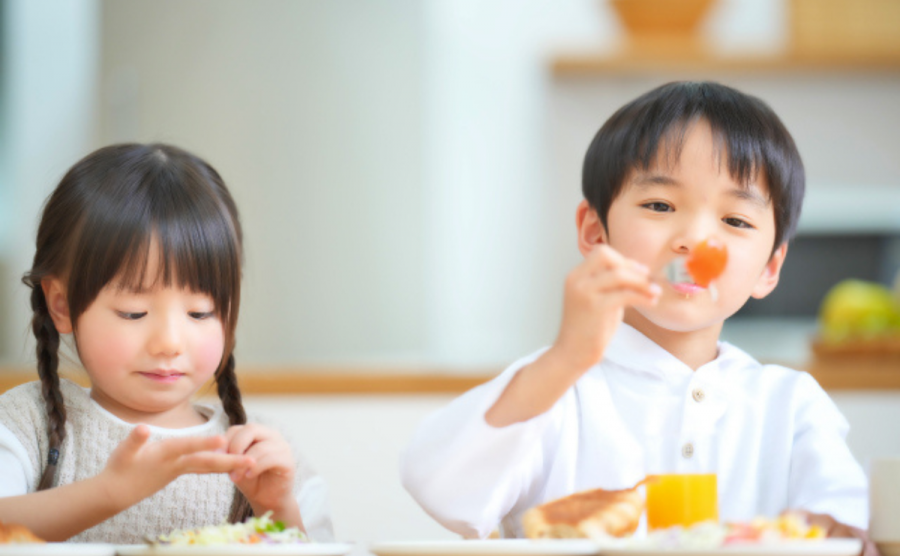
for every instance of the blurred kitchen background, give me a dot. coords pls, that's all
(407, 173)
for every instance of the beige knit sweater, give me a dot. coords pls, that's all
(92, 434)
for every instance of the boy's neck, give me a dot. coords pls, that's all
(694, 348)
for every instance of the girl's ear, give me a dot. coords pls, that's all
(591, 232)
(57, 304)
(769, 278)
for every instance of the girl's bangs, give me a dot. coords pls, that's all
(159, 235)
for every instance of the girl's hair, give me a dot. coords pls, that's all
(96, 230)
(755, 140)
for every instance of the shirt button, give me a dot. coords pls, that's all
(687, 450)
(699, 395)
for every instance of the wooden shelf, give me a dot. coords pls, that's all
(835, 375)
(588, 64)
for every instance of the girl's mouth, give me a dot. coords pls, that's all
(164, 377)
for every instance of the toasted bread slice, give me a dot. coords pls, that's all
(13, 533)
(588, 514)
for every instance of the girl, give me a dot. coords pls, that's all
(139, 258)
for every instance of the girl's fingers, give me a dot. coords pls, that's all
(135, 439)
(177, 447)
(269, 456)
(242, 439)
(212, 462)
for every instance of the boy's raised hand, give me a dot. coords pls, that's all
(268, 483)
(596, 294)
(137, 468)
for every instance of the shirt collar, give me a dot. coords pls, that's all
(631, 349)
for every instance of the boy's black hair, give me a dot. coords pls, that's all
(756, 141)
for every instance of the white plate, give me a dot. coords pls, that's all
(499, 547)
(525, 547)
(824, 547)
(300, 549)
(57, 549)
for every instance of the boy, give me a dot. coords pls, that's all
(637, 381)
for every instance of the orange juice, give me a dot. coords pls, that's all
(681, 499)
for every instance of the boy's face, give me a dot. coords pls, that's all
(664, 212)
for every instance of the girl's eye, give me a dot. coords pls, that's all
(658, 206)
(201, 316)
(130, 316)
(737, 222)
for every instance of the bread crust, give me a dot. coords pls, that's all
(13, 533)
(587, 514)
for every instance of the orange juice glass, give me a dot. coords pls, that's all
(681, 499)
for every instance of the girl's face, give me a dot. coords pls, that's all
(148, 352)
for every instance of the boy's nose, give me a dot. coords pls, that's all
(688, 238)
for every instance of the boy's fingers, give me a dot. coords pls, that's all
(624, 278)
(604, 257)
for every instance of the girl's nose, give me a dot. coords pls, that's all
(167, 339)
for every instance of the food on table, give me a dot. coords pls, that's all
(681, 499)
(710, 535)
(256, 530)
(855, 309)
(707, 262)
(788, 526)
(702, 266)
(13, 533)
(590, 514)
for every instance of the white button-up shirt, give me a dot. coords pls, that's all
(771, 434)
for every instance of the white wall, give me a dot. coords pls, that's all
(390, 159)
(312, 113)
(50, 58)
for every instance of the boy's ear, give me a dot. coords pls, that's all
(769, 278)
(591, 232)
(57, 304)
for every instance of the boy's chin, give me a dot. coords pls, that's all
(677, 320)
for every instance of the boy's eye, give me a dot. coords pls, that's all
(658, 206)
(737, 222)
(130, 316)
(201, 315)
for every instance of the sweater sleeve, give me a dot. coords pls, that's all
(14, 461)
(825, 477)
(467, 474)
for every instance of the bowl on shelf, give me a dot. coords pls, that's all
(661, 18)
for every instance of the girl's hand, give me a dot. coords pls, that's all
(268, 483)
(596, 294)
(137, 469)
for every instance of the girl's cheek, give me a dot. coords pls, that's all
(209, 354)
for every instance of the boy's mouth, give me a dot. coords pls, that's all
(676, 273)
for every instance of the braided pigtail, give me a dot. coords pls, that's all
(226, 382)
(48, 365)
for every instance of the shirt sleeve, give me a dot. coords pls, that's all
(17, 471)
(825, 477)
(467, 474)
(312, 498)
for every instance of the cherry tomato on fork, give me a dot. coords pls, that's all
(707, 262)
